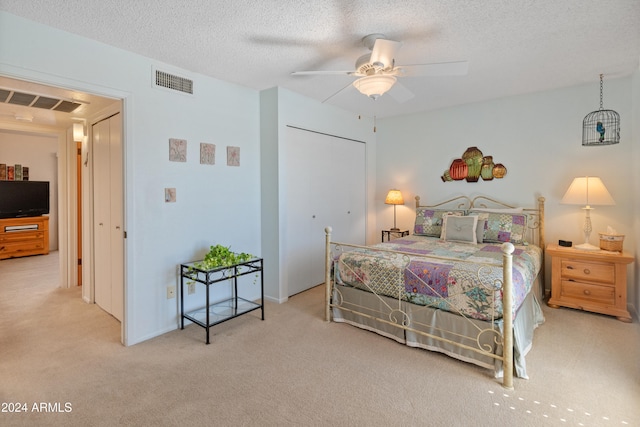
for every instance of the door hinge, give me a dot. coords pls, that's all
(125, 234)
(79, 261)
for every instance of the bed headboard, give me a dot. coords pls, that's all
(535, 215)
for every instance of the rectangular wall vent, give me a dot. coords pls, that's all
(171, 81)
(10, 96)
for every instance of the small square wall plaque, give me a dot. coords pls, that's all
(177, 150)
(207, 153)
(233, 156)
(170, 195)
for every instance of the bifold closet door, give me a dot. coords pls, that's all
(108, 216)
(323, 184)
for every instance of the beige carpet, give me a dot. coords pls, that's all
(291, 369)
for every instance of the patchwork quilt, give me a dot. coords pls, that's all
(458, 277)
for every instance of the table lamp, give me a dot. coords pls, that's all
(394, 197)
(587, 191)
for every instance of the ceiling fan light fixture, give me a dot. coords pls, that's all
(374, 86)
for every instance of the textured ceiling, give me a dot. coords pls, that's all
(513, 46)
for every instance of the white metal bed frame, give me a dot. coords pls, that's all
(535, 235)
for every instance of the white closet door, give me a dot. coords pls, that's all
(116, 217)
(349, 191)
(323, 185)
(296, 216)
(102, 215)
(108, 216)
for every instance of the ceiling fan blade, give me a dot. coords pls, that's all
(400, 93)
(460, 68)
(385, 51)
(310, 73)
(345, 88)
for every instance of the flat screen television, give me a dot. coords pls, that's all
(23, 198)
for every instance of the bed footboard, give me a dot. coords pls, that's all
(502, 339)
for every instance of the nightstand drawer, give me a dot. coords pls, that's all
(588, 271)
(596, 293)
(589, 280)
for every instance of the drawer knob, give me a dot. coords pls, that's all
(587, 271)
(587, 292)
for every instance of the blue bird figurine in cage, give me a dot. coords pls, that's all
(600, 129)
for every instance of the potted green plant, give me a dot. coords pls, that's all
(222, 256)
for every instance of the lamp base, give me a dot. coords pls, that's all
(394, 229)
(587, 247)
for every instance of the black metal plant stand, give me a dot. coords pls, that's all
(221, 311)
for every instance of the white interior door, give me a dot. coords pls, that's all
(102, 209)
(116, 232)
(324, 185)
(348, 191)
(108, 255)
(297, 216)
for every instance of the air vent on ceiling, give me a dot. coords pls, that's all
(4, 95)
(19, 98)
(66, 106)
(9, 96)
(174, 82)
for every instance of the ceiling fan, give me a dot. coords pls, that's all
(377, 71)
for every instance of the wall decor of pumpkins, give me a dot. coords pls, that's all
(472, 166)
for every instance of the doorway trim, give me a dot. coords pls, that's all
(66, 231)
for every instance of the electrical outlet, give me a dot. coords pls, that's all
(171, 292)
(192, 288)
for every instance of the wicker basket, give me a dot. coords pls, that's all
(611, 242)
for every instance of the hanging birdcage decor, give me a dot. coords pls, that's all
(601, 127)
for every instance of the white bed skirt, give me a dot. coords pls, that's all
(438, 322)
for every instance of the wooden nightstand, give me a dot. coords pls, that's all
(394, 234)
(589, 280)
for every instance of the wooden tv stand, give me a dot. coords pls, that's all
(24, 236)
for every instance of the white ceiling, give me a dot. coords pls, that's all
(513, 46)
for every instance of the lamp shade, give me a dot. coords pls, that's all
(78, 131)
(587, 191)
(374, 86)
(394, 197)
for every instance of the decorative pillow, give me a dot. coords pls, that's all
(459, 228)
(429, 221)
(480, 230)
(499, 210)
(503, 227)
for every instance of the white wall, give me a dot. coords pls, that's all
(538, 138)
(280, 108)
(39, 153)
(215, 204)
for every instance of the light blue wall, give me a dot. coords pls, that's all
(538, 138)
(215, 204)
(281, 108)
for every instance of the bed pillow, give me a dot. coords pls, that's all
(503, 227)
(480, 230)
(459, 228)
(429, 221)
(499, 210)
